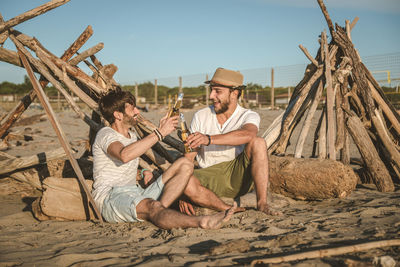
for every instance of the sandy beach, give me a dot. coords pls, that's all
(365, 215)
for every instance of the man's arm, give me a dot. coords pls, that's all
(234, 138)
(138, 148)
(127, 153)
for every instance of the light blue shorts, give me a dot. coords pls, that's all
(120, 204)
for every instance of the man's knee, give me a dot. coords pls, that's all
(184, 166)
(193, 187)
(257, 144)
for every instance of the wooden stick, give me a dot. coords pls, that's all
(16, 112)
(305, 51)
(87, 53)
(320, 253)
(43, 70)
(31, 14)
(327, 18)
(354, 22)
(386, 140)
(307, 121)
(386, 109)
(61, 136)
(330, 102)
(285, 131)
(68, 82)
(348, 29)
(10, 56)
(272, 133)
(322, 136)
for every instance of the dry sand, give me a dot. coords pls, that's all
(365, 215)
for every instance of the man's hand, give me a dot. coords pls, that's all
(147, 178)
(167, 125)
(186, 208)
(197, 139)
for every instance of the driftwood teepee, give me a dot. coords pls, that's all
(355, 107)
(67, 78)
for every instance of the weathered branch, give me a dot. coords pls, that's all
(87, 53)
(31, 14)
(377, 169)
(16, 112)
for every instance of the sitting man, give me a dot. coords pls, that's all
(230, 154)
(116, 152)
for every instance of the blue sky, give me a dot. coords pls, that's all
(150, 39)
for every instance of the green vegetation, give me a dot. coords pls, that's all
(147, 90)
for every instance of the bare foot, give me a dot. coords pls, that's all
(265, 208)
(215, 221)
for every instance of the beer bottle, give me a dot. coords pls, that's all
(175, 109)
(185, 133)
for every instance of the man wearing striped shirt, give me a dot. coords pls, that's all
(116, 152)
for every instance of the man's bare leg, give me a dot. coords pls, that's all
(175, 180)
(203, 197)
(153, 211)
(256, 150)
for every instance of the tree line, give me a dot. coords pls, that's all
(146, 90)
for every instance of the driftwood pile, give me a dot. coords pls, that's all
(355, 107)
(65, 75)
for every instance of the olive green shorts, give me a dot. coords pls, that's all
(227, 179)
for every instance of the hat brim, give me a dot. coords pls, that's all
(239, 87)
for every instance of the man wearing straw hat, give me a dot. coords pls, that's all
(232, 158)
(116, 152)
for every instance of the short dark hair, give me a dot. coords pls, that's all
(115, 100)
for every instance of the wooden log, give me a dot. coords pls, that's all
(298, 178)
(320, 253)
(87, 53)
(59, 167)
(375, 166)
(330, 101)
(16, 112)
(31, 14)
(307, 121)
(61, 136)
(62, 199)
(10, 165)
(43, 70)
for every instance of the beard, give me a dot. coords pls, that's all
(223, 107)
(129, 120)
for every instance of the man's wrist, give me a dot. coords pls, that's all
(209, 139)
(142, 172)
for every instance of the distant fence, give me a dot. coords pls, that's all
(385, 68)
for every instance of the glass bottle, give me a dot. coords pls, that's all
(185, 133)
(175, 109)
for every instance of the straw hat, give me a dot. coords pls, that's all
(227, 78)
